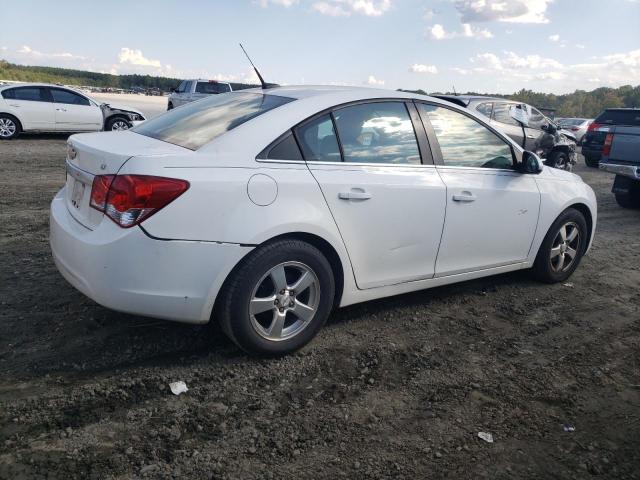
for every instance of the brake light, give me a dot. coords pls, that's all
(606, 149)
(575, 129)
(130, 199)
(594, 127)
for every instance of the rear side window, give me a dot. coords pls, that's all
(619, 117)
(318, 140)
(30, 94)
(464, 142)
(198, 123)
(285, 149)
(65, 96)
(501, 114)
(212, 87)
(377, 133)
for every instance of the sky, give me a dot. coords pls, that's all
(490, 46)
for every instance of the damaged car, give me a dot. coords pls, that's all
(40, 107)
(526, 125)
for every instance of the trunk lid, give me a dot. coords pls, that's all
(104, 153)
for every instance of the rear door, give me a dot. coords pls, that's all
(74, 112)
(492, 210)
(32, 106)
(387, 199)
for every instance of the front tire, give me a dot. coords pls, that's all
(562, 248)
(277, 299)
(117, 124)
(9, 127)
(170, 106)
(559, 159)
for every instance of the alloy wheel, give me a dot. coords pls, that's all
(7, 127)
(284, 301)
(119, 125)
(565, 247)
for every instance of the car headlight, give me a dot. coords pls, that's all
(71, 152)
(135, 117)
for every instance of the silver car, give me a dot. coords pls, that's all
(577, 126)
(191, 90)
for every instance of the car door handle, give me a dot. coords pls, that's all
(464, 197)
(14, 105)
(354, 194)
(530, 136)
(61, 109)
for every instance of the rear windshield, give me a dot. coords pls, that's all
(620, 117)
(212, 87)
(197, 123)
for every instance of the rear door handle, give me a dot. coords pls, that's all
(14, 105)
(464, 197)
(61, 109)
(530, 136)
(354, 194)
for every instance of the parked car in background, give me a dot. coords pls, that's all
(594, 140)
(621, 155)
(191, 90)
(539, 135)
(265, 209)
(41, 107)
(577, 126)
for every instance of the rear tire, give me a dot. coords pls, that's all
(9, 127)
(259, 307)
(628, 200)
(562, 248)
(591, 162)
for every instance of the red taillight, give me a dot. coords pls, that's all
(594, 127)
(575, 129)
(606, 149)
(130, 199)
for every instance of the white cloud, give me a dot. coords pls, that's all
(461, 71)
(554, 38)
(437, 32)
(27, 52)
(580, 46)
(374, 81)
(344, 8)
(420, 68)
(135, 57)
(282, 3)
(516, 11)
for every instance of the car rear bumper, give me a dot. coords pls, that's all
(630, 171)
(128, 271)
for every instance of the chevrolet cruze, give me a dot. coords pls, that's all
(266, 209)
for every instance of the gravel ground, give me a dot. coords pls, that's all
(396, 388)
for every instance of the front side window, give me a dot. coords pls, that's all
(187, 87)
(181, 87)
(536, 119)
(30, 94)
(377, 133)
(318, 140)
(198, 123)
(464, 142)
(65, 96)
(501, 114)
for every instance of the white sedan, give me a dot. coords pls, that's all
(266, 209)
(41, 107)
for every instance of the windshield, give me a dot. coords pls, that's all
(572, 122)
(198, 123)
(212, 87)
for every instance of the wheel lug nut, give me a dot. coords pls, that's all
(291, 304)
(281, 309)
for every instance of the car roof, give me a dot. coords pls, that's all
(35, 84)
(300, 92)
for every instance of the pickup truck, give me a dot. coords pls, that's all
(192, 90)
(621, 155)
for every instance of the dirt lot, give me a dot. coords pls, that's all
(397, 388)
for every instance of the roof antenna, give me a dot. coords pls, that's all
(454, 91)
(262, 82)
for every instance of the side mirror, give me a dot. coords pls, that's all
(530, 164)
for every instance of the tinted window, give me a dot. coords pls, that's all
(377, 133)
(619, 117)
(197, 123)
(31, 94)
(65, 96)
(180, 88)
(212, 87)
(318, 140)
(285, 149)
(466, 143)
(485, 109)
(536, 119)
(187, 87)
(501, 114)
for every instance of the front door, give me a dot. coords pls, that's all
(388, 206)
(74, 112)
(492, 210)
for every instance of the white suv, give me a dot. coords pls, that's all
(191, 90)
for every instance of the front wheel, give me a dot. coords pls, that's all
(117, 124)
(562, 248)
(559, 159)
(170, 106)
(277, 299)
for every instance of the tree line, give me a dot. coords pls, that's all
(577, 104)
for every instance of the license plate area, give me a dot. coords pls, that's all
(77, 194)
